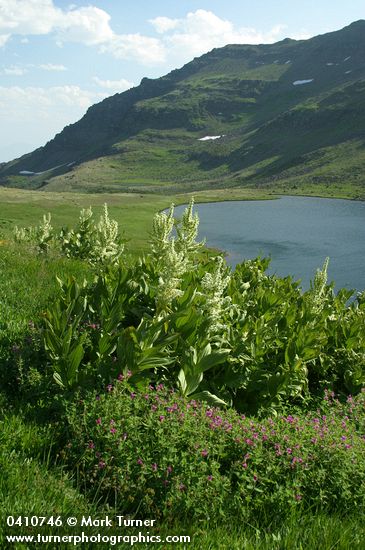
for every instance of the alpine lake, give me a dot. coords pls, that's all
(297, 233)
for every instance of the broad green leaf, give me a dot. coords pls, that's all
(212, 360)
(209, 398)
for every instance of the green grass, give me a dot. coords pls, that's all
(29, 283)
(30, 481)
(301, 533)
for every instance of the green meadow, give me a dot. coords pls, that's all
(227, 406)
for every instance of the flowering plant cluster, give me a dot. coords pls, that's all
(153, 452)
(240, 338)
(98, 243)
(41, 236)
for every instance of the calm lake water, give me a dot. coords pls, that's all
(298, 233)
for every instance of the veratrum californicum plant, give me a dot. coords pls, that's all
(24, 234)
(317, 296)
(187, 233)
(108, 246)
(213, 289)
(79, 242)
(173, 256)
(40, 236)
(162, 227)
(98, 244)
(44, 234)
(170, 272)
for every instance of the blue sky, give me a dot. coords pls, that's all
(58, 57)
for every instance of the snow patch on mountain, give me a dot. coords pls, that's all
(300, 82)
(206, 138)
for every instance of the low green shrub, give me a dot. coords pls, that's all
(153, 453)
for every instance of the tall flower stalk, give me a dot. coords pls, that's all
(187, 233)
(162, 227)
(44, 234)
(173, 255)
(213, 292)
(108, 246)
(317, 293)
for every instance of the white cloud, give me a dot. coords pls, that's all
(28, 16)
(205, 22)
(14, 71)
(23, 102)
(182, 39)
(302, 35)
(88, 25)
(52, 67)
(202, 30)
(178, 41)
(163, 24)
(115, 86)
(144, 49)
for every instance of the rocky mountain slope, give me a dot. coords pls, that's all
(284, 114)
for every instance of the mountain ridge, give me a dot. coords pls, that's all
(272, 105)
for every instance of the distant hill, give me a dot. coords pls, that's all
(284, 114)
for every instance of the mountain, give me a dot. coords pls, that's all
(284, 114)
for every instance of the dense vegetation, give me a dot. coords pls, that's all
(170, 386)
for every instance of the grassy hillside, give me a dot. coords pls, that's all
(289, 114)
